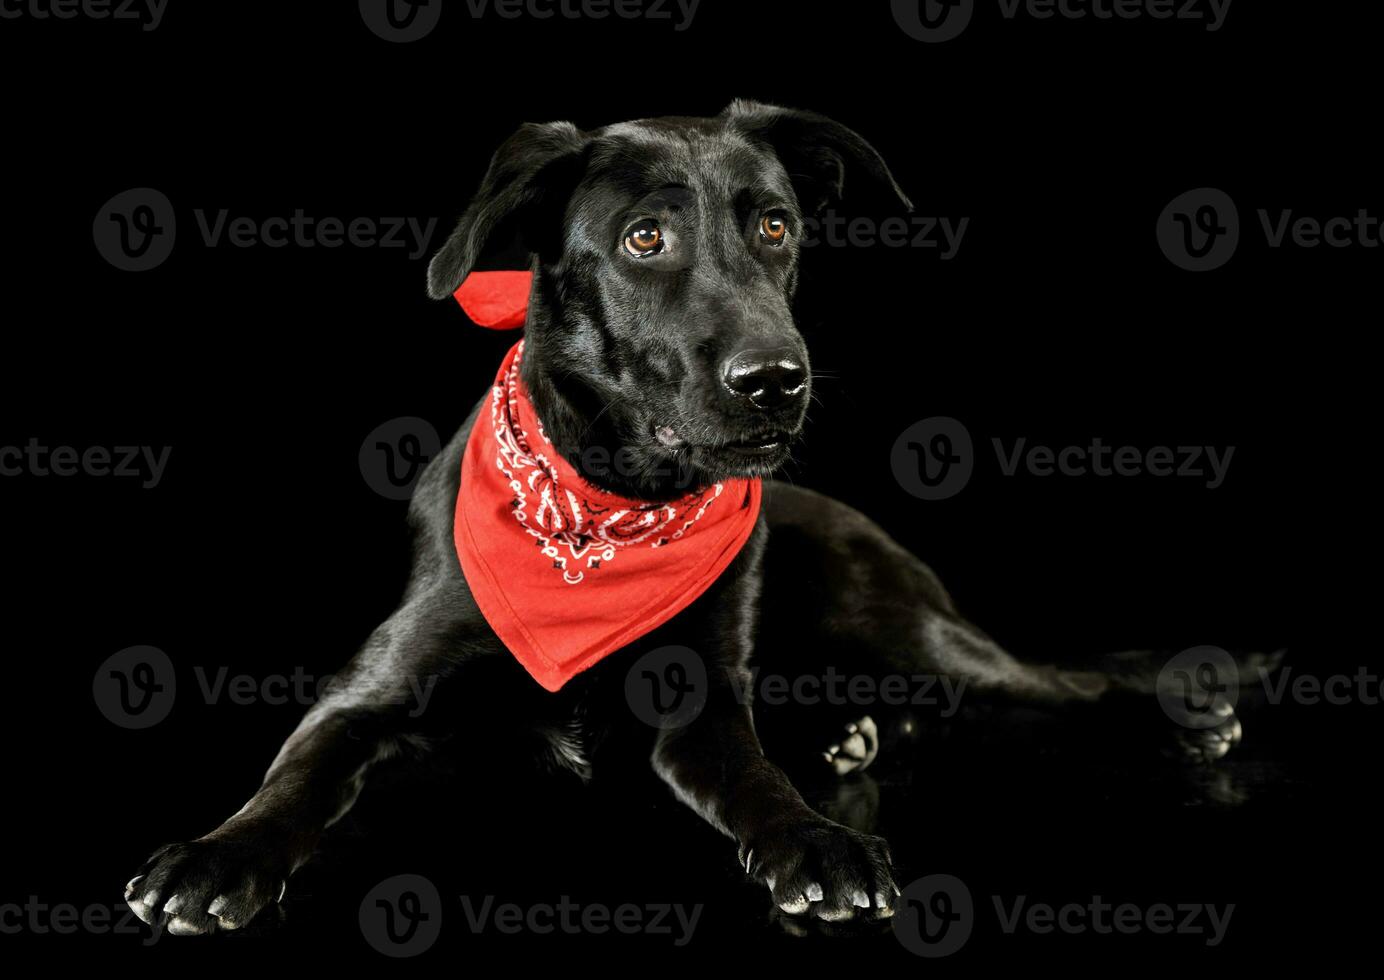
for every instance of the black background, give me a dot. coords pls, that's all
(1059, 320)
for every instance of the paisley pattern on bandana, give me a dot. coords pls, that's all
(575, 531)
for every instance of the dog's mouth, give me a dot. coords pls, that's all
(756, 446)
(751, 454)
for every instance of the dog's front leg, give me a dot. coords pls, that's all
(810, 864)
(223, 879)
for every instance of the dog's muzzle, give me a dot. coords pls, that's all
(772, 378)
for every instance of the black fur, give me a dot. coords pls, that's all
(627, 360)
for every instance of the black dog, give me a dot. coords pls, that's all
(666, 256)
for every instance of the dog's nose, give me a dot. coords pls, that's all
(768, 378)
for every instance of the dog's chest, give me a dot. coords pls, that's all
(570, 730)
(570, 746)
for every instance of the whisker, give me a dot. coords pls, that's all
(607, 407)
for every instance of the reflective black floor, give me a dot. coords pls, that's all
(1027, 811)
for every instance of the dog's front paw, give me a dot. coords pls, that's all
(208, 884)
(816, 867)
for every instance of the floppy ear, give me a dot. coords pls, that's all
(827, 161)
(530, 177)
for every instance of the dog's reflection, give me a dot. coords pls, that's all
(854, 802)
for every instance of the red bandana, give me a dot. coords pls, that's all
(565, 573)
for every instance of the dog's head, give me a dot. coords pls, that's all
(661, 350)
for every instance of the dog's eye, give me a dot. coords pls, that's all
(773, 228)
(643, 239)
